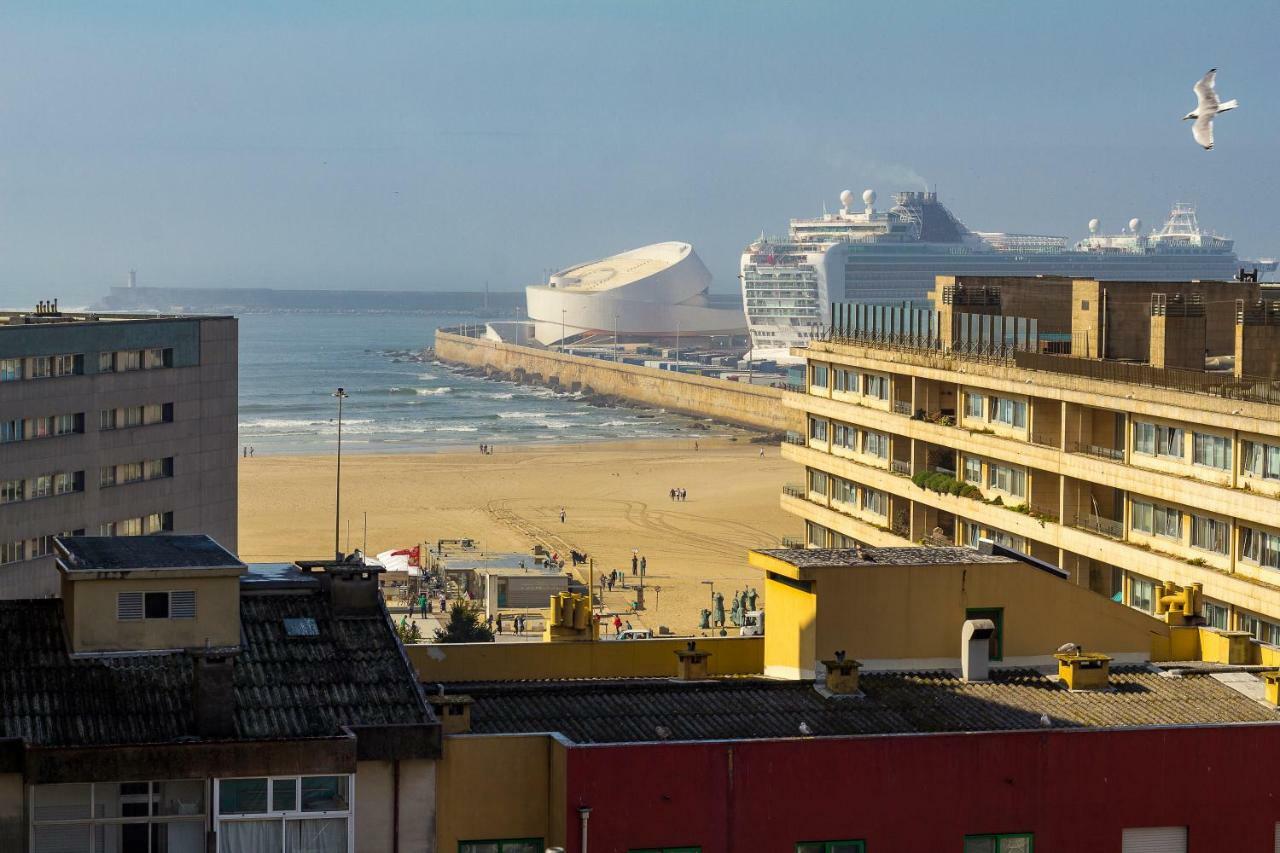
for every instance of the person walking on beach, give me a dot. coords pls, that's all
(422, 604)
(617, 625)
(635, 561)
(673, 494)
(251, 451)
(562, 515)
(246, 451)
(499, 623)
(644, 566)
(762, 453)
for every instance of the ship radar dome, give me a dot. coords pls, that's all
(846, 198)
(1093, 225)
(1135, 225)
(868, 197)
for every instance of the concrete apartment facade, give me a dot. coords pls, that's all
(112, 425)
(1130, 476)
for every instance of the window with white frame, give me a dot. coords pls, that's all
(1006, 479)
(1209, 534)
(1216, 615)
(973, 470)
(1261, 629)
(1211, 451)
(1156, 519)
(875, 444)
(818, 429)
(873, 501)
(975, 406)
(845, 436)
(1260, 460)
(1261, 547)
(1009, 411)
(10, 369)
(291, 814)
(819, 376)
(818, 482)
(1156, 440)
(844, 491)
(876, 386)
(12, 552)
(160, 604)
(147, 817)
(12, 491)
(1141, 593)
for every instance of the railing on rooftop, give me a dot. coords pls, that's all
(1097, 524)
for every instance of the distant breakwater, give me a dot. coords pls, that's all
(750, 406)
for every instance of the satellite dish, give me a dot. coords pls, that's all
(1135, 225)
(846, 198)
(1093, 225)
(868, 197)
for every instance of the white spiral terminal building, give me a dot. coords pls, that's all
(653, 292)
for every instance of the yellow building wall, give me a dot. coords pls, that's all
(609, 658)
(792, 642)
(93, 615)
(499, 786)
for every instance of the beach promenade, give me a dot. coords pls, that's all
(615, 495)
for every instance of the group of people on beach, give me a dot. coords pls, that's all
(517, 623)
(486, 449)
(679, 494)
(247, 451)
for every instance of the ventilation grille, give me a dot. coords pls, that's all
(182, 604)
(128, 606)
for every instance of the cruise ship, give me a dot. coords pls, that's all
(892, 255)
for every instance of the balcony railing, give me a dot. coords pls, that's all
(792, 542)
(902, 407)
(899, 466)
(795, 491)
(794, 438)
(1097, 524)
(1111, 453)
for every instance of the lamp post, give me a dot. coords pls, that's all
(615, 338)
(561, 330)
(677, 347)
(341, 394)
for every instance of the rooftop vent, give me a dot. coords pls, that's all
(453, 711)
(842, 675)
(1081, 670)
(975, 649)
(691, 663)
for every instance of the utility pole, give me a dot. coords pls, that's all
(341, 394)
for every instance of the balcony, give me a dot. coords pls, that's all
(1109, 453)
(902, 407)
(795, 491)
(900, 466)
(1097, 524)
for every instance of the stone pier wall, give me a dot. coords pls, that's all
(752, 406)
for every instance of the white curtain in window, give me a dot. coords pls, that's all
(249, 836)
(328, 835)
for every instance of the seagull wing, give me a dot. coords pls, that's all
(1205, 92)
(1203, 131)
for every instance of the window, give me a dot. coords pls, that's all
(995, 649)
(11, 430)
(819, 376)
(10, 369)
(1215, 615)
(843, 491)
(1156, 519)
(1155, 440)
(1154, 839)
(1141, 593)
(157, 521)
(130, 472)
(1142, 517)
(68, 365)
(1012, 481)
(40, 546)
(1208, 534)
(164, 816)
(876, 386)
(1010, 412)
(294, 814)
(106, 362)
(507, 845)
(157, 468)
(67, 482)
(107, 476)
(12, 491)
(846, 436)
(1258, 546)
(817, 482)
(132, 416)
(128, 360)
(815, 535)
(1212, 451)
(1260, 460)
(873, 501)
(68, 424)
(12, 552)
(107, 419)
(1261, 629)
(153, 358)
(41, 367)
(42, 486)
(973, 470)
(975, 406)
(875, 444)
(1013, 843)
(830, 847)
(817, 429)
(133, 606)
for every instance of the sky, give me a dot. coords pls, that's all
(442, 146)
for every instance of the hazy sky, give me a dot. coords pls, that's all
(428, 145)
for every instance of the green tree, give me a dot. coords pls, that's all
(464, 627)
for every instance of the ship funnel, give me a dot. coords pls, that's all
(1094, 224)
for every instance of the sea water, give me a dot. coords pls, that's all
(291, 364)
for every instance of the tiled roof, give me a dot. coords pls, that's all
(352, 673)
(158, 551)
(810, 558)
(893, 703)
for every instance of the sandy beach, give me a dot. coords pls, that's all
(615, 497)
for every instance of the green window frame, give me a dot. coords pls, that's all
(851, 846)
(996, 615)
(1005, 842)
(501, 845)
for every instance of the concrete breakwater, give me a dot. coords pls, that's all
(737, 403)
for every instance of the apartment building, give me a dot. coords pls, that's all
(1128, 432)
(116, 425)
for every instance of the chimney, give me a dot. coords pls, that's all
(842, 675)
(691, 664)
(213, 692)
(1081, 670)
(975, 649)
(454, 712)
(352, 586)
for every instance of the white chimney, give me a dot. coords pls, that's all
(975, 649)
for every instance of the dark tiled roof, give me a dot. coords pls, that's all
(159, 551)
(894, 703)
(810, 558)
(351, 674)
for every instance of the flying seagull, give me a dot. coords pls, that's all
(1207, 106)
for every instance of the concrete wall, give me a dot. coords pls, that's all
(13, 824)
(376, 807)
(748, 405)
(605, 659)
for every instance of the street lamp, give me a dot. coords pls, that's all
(561, 330)
(341, 394)
(615, 338)
(677, 347)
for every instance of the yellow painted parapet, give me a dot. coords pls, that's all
(1178, 604)
(1084, 670)
(570, 619)
(1233, 647)
(1272, 680)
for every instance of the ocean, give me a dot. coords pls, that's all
(290, 365)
